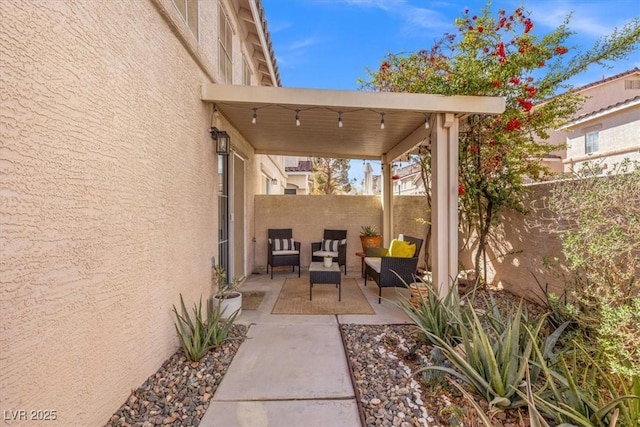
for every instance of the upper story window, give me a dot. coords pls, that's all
(225, 43)
(591, 142)
(189, 11)
(246, 72)
(632, 84)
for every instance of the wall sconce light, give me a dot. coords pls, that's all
(222, 139)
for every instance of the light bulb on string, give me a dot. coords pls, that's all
(254, 119)
(381, 120)
(297, 117)
(339, 119)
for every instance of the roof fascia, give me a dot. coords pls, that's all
(383, 101)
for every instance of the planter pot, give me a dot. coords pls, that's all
(229, 305)
(328, 261)
(370, 242)
(419, 292)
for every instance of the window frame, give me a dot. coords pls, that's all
(225, 46)
(591, 141)
(189, 10)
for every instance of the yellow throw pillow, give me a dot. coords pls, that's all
(401, 249)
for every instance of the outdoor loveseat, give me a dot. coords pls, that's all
(389, 269)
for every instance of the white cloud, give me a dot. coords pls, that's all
(593, 19)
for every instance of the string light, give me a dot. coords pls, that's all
(254, 119)
(297, 117)
(381, 120)
(426, 121)
(339, 119)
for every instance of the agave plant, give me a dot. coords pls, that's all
(569, 402)
(493, 363)
(197, 335)
(219, 326)
(438, 317)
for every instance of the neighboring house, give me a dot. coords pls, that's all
(299, 174)
(606, 130)
(407, 180)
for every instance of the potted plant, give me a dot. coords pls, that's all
(227, 297)
(370, 238)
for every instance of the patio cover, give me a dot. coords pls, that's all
(410, 119)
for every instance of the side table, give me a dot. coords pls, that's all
(318, 273)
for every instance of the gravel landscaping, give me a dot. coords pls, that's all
(385, 362)
(180, 392)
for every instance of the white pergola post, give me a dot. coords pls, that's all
(387, 194)
(444, 208)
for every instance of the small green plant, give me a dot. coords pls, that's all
(197, 335)
(438, 317)
(193, 332)
(219, 326)
(225, 288)
(369, 230)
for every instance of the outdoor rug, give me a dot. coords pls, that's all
(251, 300)
(294, 298)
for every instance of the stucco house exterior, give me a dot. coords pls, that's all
(606, 130)
(111, 187)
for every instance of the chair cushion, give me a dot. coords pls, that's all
(373, 262)
(286, 252)
(282, 244)
(332, 245)
(326, 253)
(401, 249)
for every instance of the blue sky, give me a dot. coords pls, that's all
(329, 44)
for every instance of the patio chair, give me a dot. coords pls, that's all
(389, 270)
(282, 250)
(333, 244)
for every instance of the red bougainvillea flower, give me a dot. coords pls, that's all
(486, 50)
(500, 52)
(493, 143)
(528, 25)
(526, 105)
(531, 91)
(514, 124)
(461, 190)
(541, 64)
(474, 149)
(561, 50)
(496, 84)
(514, 80)
(480, 29)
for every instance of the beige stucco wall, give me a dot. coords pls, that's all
(521, 248)
(308, 216)
(108, 201)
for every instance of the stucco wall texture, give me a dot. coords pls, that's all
(108, 210)
(522, 244)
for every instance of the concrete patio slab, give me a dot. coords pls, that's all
(316, 413)
(295, 361)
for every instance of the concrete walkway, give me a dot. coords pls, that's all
(292, 369)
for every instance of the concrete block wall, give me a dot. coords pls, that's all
(517, 256)
(308, 216)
